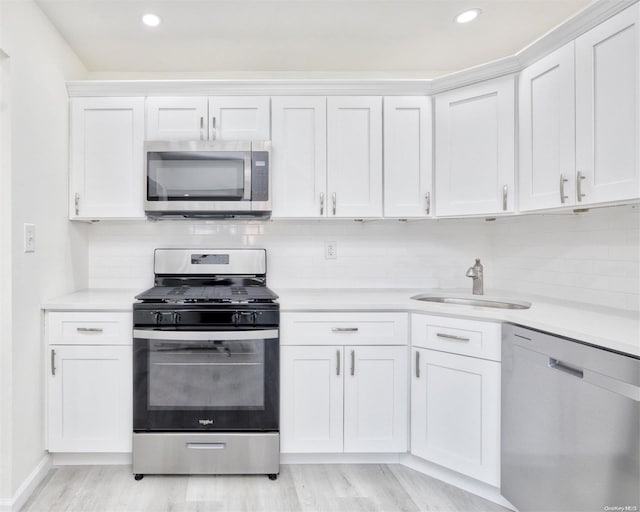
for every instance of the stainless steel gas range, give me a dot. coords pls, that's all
(206, 366)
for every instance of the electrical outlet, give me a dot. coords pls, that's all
(29, 238)
(330, 250)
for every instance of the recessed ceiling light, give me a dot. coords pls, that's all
(467, 16)
(151, 20)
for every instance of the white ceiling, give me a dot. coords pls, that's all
(399, 37)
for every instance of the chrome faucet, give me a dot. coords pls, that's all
(475, 273)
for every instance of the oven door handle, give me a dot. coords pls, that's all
(149, 334)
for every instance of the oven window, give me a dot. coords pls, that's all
(206, 374)
(195, 177)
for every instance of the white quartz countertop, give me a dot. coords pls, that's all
(93, 300)
(605, 327)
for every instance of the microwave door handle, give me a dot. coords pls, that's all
(247, 177)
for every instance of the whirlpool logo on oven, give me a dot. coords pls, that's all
(205, 422)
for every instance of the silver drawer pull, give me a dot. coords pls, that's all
(337, 362)
(321, 203)
(89, 329)
(505, 194)
(451, 337)
(417, 364)
(53, 362)
(206, 446)
(344, 329)
(427, 207)
(557, 365)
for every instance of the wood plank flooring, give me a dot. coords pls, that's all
(299, 488)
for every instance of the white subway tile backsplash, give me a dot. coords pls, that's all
(592, 257)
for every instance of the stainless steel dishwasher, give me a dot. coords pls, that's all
(570, 425)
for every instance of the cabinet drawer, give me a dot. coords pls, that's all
(456, 335)
(344, 328)
(89, 328)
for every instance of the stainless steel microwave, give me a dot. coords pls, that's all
(207, 179)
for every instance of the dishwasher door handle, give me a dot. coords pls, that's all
(557, 365)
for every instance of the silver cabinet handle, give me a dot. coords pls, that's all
(321, 203)
(427, 199)
(344, 329)
(505, 195)
(77, 203)
(89, 329)
(451, 337)
(353, 362)
(579, 178)
(213, 128)
(53, 362)
(417, 364)
(337, 362)
(563, 180)
(334, 201)
(201, 128)
(557, 365)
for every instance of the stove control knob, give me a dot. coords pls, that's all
(157, 317)
(177, 318)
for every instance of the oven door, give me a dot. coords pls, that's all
(205, 380)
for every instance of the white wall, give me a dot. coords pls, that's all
(371, 254)
(592, 257)
(40, 63)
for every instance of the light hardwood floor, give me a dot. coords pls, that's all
(304, 488)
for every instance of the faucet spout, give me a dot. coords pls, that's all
(477, 274)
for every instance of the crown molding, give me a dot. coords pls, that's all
(564, 33)
(302, 87)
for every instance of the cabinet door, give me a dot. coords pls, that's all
(375, 399)
(407, 156)
(90, 407)
(475, 149)
(176, 118)
(311, 385)
(299, 156)
(354, 156)
(455, 413)
(608, 110)
(106, 150)
(239, 118)
(547, 132)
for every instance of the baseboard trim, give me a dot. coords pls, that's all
(27, 487)
(339, 458)
(471, 485)
(91, 459)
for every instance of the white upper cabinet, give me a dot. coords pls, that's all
(239, 118)
(354, 156)
(407, 157)
(177, 118)
(475, 142)
(547, 132)
(299, 156)
(106, 150)
(201, 118)
(608, 110)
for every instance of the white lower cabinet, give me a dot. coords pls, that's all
(455, 402)
(343, 398)
(89, 386)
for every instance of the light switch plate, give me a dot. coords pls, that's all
(29, 238)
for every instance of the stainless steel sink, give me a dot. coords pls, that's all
(467, 301)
